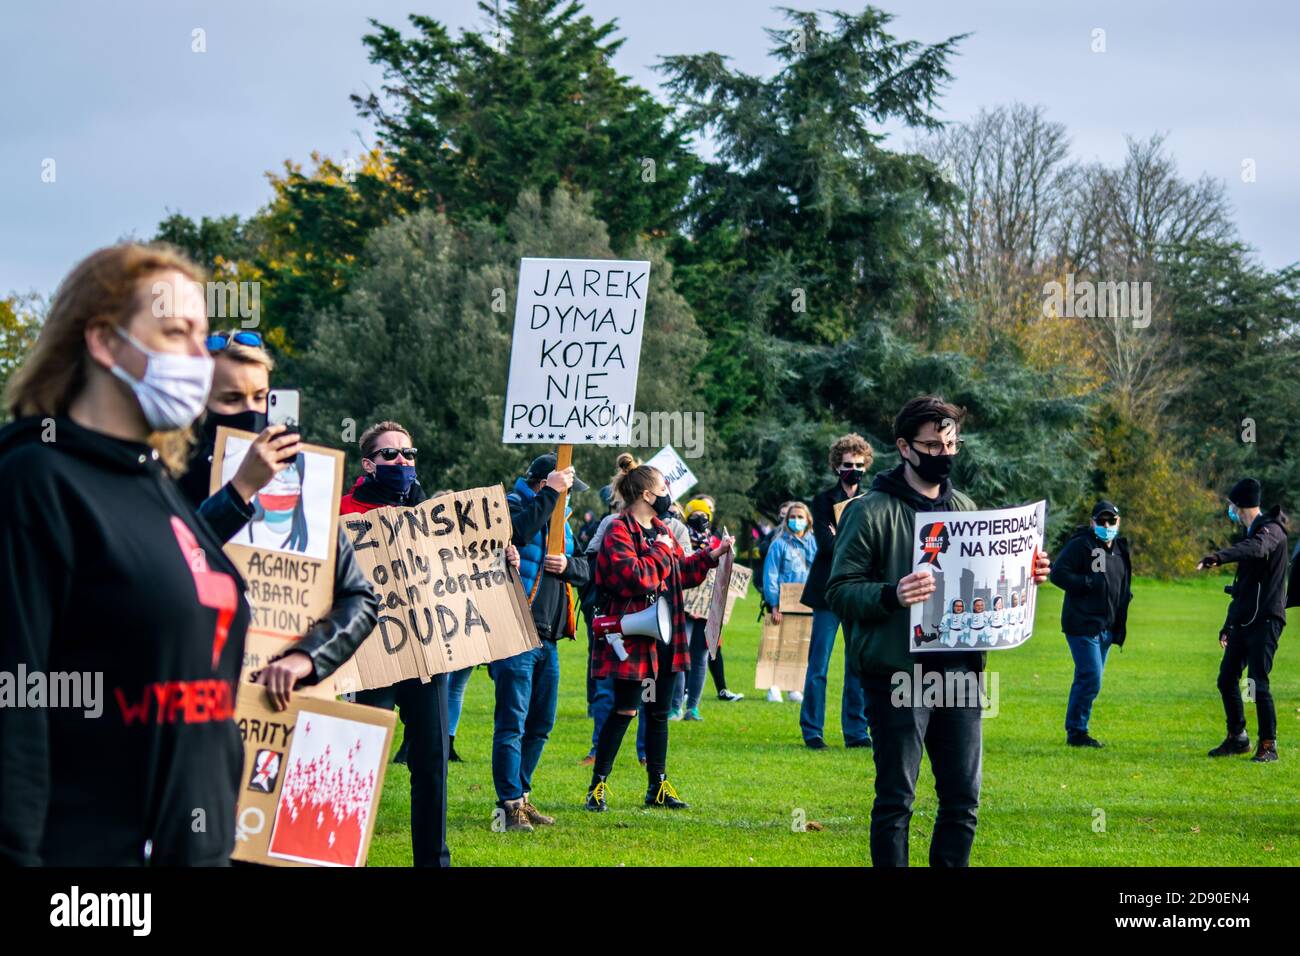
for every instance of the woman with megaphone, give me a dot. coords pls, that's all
(641, 567)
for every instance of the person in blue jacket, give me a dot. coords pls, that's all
(789, 559)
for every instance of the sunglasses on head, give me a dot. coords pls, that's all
(390, 454)
(221, 340)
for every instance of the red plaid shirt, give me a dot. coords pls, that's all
(630, 570)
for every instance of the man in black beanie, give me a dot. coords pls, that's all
(1256, 616)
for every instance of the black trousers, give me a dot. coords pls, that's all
(1251, 648)
(953, 737)
(423, 709)
(628, 695)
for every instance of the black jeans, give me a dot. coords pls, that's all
(628, 695)
(1252, 648)
(423, 709)
(952, 736)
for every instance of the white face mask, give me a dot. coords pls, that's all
(174, 388)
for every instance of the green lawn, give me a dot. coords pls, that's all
(746, 772)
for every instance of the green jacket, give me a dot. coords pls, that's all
(873, 550)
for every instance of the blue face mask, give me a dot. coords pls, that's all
(797, 525)
(1232, 515)
(395, 478)
(1106, 533)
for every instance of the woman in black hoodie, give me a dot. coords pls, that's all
(112, 583)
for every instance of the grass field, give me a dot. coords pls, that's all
(1151, 797)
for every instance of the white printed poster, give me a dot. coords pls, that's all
(575, 351)
(295, 512)
(982, 562)
(680, 478)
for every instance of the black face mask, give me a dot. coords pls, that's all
(248, 421)
(661, 505)
(852, 477)
(932, 468)
(698, 522)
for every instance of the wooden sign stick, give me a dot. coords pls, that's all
(555, 537)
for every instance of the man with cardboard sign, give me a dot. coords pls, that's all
(574, 358)
(287, 553)
(312, 781)
(448, 598)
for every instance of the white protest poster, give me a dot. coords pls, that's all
(982, 562)
(575, 351)
(679, 477)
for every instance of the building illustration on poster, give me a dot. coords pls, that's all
(981, 561)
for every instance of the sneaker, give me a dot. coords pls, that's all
(692, 714)
(675, 714)
(1232, 745)
(516, 817)
(588, 761)
(815, 743)
(535, 816)
(663, 795)
(596, 797)
(1081, 738)
(774, 695)
(864, 742)
(796, 696)
(729, 697)
(1266, 753)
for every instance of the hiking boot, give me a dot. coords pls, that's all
(516, 817)
(662, 794)
(815, 743)
(588, 760)
(596, 797)
(1081, 738)
(729, 697)
(1231, 746)
(535, 816)
(1266, 753)
(692, 713)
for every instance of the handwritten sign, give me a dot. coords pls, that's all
(447, 597)
(312, 779)
(287, 552)
(576, 350)
(679, 477)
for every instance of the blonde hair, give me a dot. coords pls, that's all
(247, 354)
(370, 437)
(788, 507)
(109, 286)
(631, 480)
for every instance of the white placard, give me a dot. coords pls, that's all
(983, 564)
(575, 351)
(680, 478)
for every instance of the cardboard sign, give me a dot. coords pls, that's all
(840, 506)
(699, 599)
(679, 477)
(783, 652)
(722, 600)
(983, 566)
(312, 780)
(448, 599)
(792, 599)
(576, 350)
(287, 552)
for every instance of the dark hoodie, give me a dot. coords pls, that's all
(1095, 600)
(108, 571)
(1259, 588)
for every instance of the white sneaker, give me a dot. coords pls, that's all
(774, 695)
(796, 696)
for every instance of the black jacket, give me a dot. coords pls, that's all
(330, 641)
(1259, 588)
(1094, 601)
(528, 518)
(823, 522)
(108, 571)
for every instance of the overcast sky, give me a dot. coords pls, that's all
(137, 124)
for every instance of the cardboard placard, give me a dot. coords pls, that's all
(677, 474)
(699, 599)
(448, 598)
(312, 780)
(730, 583)
(783, 652)
(840, 506)
(792, 599)
(575, 351)
(287, 552)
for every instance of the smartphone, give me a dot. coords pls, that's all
(282, 408)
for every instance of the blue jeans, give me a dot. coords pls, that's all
(527, 691)
(1089, 661)
(456, 682)
(853, 705)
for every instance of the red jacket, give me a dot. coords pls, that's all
(349, 505)
(630, 571)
